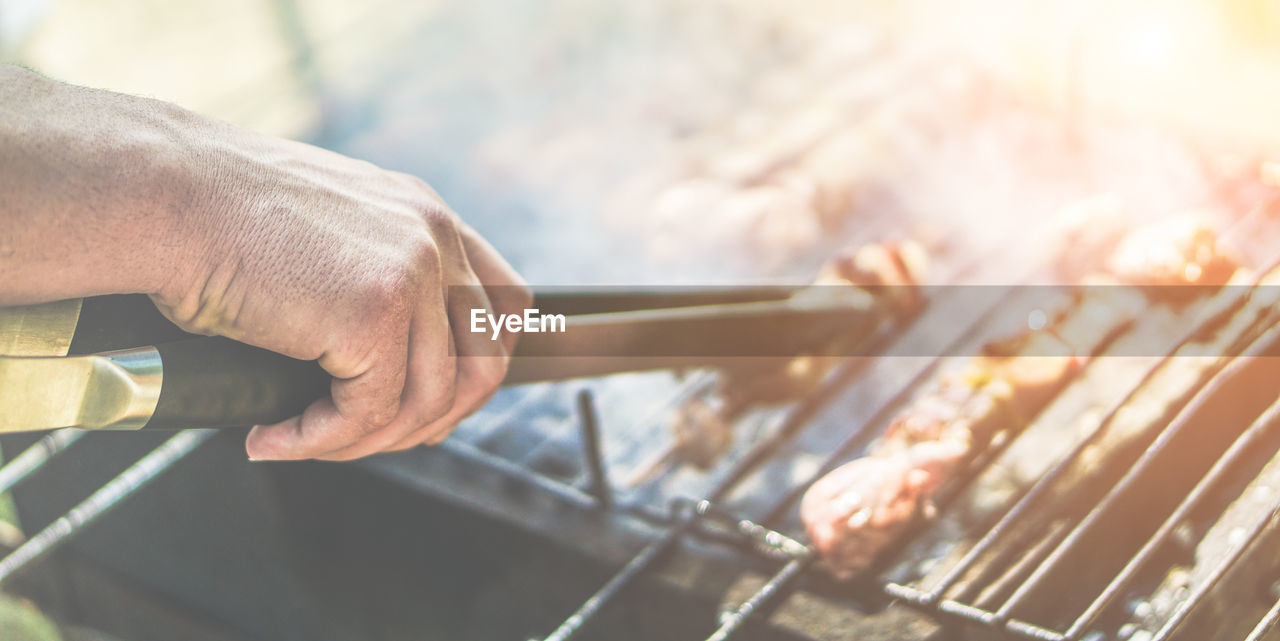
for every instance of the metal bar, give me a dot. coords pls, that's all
(864, 432)
(103, 500)
(474, 455)
(629, 572)
(1223, 379)
(798, 556)
(1266, 625)
(924, 602)
(795, 421)
(998, 588)
(773, 542)
(1262, 426)
(1185, 607)
(1042, 484)
(37, 456)
(731, 622)
(589, 420)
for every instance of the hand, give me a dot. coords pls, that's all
(320, 257)
(274, 243)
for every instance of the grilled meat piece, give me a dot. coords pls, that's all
(861, 507)
(857, 510)
(1182, 250)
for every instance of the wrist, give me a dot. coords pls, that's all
(175, 201)
(97, 190)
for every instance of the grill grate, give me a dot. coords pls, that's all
(763, 537)
(1264, 339)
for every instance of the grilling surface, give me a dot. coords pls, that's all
(1031, 538)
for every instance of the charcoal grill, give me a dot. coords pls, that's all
(194, 542)
(729, 525)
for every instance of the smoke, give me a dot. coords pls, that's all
(675, 142)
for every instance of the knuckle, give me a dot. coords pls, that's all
(435, 408)
(425, 249)
(422, 256)
(490, 373)
(442, 226)
(387, 292)
(378, 417)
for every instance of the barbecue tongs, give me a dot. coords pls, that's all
(113, 362)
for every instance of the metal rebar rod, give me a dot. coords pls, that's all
(733, 621)
(1261, 427)
(1225, 378)
(798, 556)
(37, 456)
(589, 421)
(795, 421)
(1046, 481)
(1185, 607)
(629, 572)
(103, 500)
(922, 601)
(1266, 625)
(771, 542)
(480, 458)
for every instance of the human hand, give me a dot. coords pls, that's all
(321, 257)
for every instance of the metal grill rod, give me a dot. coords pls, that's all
(104, 499)
(731, 622)
(1263, 426)
(660, 546)
(796, 420)
(1222, 380)
(589, 421)
(865, 431)
(37, 456)
(1219, 571)
(1046, 481)
(686, 515)
(1266, 625)
(633, 569)
(932, 601)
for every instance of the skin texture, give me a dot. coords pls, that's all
(271, 242)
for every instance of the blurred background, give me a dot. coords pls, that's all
(681, 141)
(574, 126)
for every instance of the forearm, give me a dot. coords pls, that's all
(93, 188)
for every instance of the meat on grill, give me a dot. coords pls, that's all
(702, 427)
(1183, 250)
(854, 512)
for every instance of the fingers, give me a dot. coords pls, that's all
(472, 368)
(429, 389)
(482, 364)
(507, 291)
(482, 361)
(425, 375)
(367, 398)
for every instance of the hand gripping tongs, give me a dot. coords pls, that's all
(113, 362)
